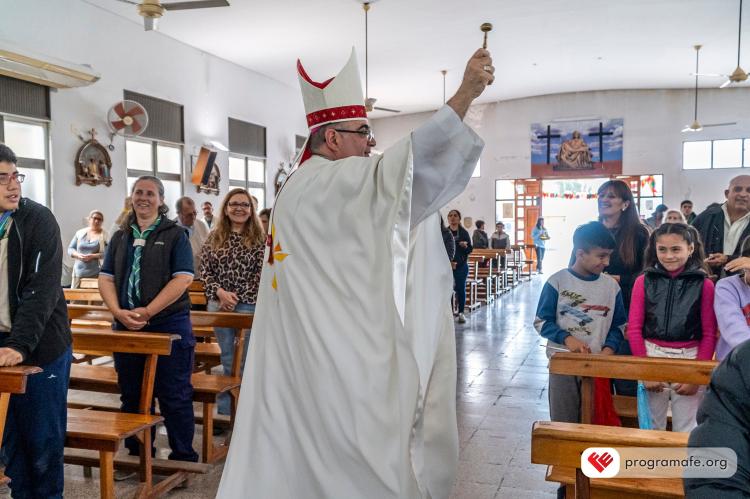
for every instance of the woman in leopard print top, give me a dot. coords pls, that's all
(231, 262)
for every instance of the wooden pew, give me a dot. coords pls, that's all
(206, 387)
(104, 431)
(12, 380)
(472, 286)
(498, 269)
(560, 445)
(590, 366)
(484, 277)
(92, 296)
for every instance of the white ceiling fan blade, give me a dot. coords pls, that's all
(725, 84)
(200, 4)
(386, 109)
(720, 124)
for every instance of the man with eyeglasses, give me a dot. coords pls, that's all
(34, 331)
(723, 228)
(351, 372)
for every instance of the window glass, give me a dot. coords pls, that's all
(696, 155)
(746, 156)
(138, 155)
(236, 169)
(35, 185)
(256, 171)
(727, 153)
(168, 159)
(172, 192)
(504, 189)
(260, 196)
(26, 140)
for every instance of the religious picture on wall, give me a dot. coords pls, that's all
(93, 166)
(589, 148)
(206, 175)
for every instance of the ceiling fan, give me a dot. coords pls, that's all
(152, 10)
(738, 75)
(370, 101)
(696, 126)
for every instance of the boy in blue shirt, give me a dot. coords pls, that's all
(580, 310)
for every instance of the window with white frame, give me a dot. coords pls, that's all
(716, 154)
(247, 158)
(160, 159)
(28, 140)
(24, 127)
(249, 173)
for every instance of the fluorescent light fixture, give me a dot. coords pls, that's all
(218, 145)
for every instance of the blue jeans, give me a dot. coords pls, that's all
(35, 432)
(459, 285)
(225, 338)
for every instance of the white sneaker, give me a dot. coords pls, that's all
(461, 318)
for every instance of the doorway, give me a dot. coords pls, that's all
(567, 204)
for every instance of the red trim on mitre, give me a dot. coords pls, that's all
(309, 80)
(332, 114)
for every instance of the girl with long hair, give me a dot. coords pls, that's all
(231, 263)
(539, 235)
(87, 248)
(672, 315)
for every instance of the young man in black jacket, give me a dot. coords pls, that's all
(34, 331)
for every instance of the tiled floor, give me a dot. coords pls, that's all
(502, 389)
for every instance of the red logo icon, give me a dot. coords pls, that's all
(600, 462)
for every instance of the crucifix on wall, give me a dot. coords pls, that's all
(601, 134)
(549, 136)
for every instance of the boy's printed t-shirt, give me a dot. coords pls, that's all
(589, 308)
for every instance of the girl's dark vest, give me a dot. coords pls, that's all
(673, 305)
(155, 265)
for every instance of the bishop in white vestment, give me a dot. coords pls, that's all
(349, 385)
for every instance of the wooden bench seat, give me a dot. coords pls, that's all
(103, 431)
(561, 444)
(620, 488)
(206, 389)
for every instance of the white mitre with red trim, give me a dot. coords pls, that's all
(337, 99)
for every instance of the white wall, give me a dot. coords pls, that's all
(211, 89)
(652, 138)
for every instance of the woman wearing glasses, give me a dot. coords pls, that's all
(231, 262)
(87, 248)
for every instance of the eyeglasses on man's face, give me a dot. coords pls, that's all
(6, 177)
(364, 131)
(244, 206)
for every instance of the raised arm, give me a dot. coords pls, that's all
(445, 150)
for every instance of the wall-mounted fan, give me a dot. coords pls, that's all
(127, 118)
(696, 126)
(370, 101)
(153, 10)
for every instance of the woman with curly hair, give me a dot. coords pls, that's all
(231, 262)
